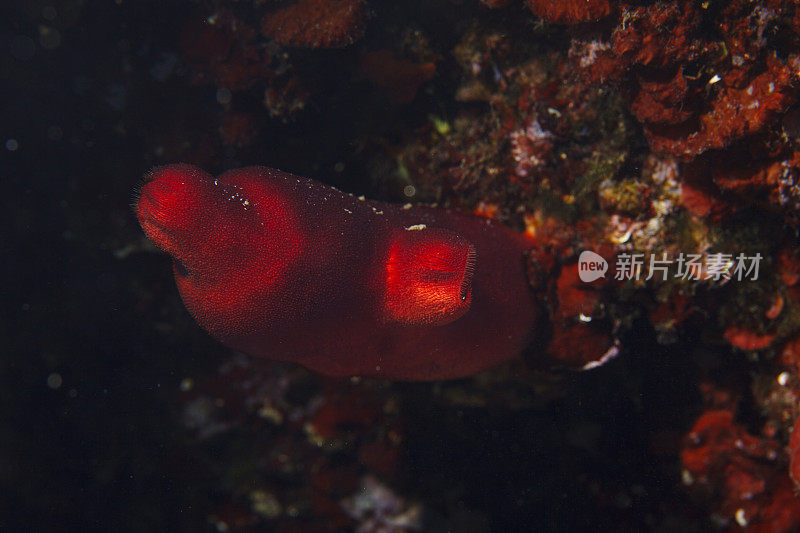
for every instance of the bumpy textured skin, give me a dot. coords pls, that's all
(283, 267)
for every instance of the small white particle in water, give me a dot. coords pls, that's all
(416, 227)
(360, 197)
(348, 211)
(54, 133)
(714, 80)
(245, 203)
(49, 12)
(741, 519)
(783, 378)
(54, 381)
(224, 96)
(584, 318)
(186, 384)
(216, 182)
(687, 478)
(406, 206)
(49, 38)
(12, 145)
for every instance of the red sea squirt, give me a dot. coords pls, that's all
(283, 267)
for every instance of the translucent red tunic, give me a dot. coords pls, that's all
(283, 267)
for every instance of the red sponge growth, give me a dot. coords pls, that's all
(316, 23)
(570, 11)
